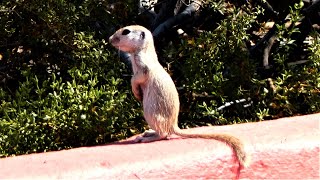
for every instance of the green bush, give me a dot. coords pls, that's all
(53, 114)
(296, 88)
(89, 106)
(217, 70)
(62, 86)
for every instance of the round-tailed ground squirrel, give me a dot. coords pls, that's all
(152, 85)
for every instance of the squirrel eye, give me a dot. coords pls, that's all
(125, 31)
(142, 35)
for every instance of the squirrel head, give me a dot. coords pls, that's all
(132, 39)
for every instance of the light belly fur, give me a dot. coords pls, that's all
(161, 107)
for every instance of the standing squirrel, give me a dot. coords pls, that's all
(152, 85)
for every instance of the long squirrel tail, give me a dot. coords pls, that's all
(230, 140)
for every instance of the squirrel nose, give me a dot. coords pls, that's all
(113, 39)
(110, 38)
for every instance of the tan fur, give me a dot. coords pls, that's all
(154, 86)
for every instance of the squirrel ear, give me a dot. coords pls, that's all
(142, 35)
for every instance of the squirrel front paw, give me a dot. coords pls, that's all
(137, 92)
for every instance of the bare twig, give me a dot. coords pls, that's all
(178, 19)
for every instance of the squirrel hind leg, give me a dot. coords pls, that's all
(150, 136)
(149, 133)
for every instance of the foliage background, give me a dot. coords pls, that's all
(62, 85)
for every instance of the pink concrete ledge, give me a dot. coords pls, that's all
(287, 148)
